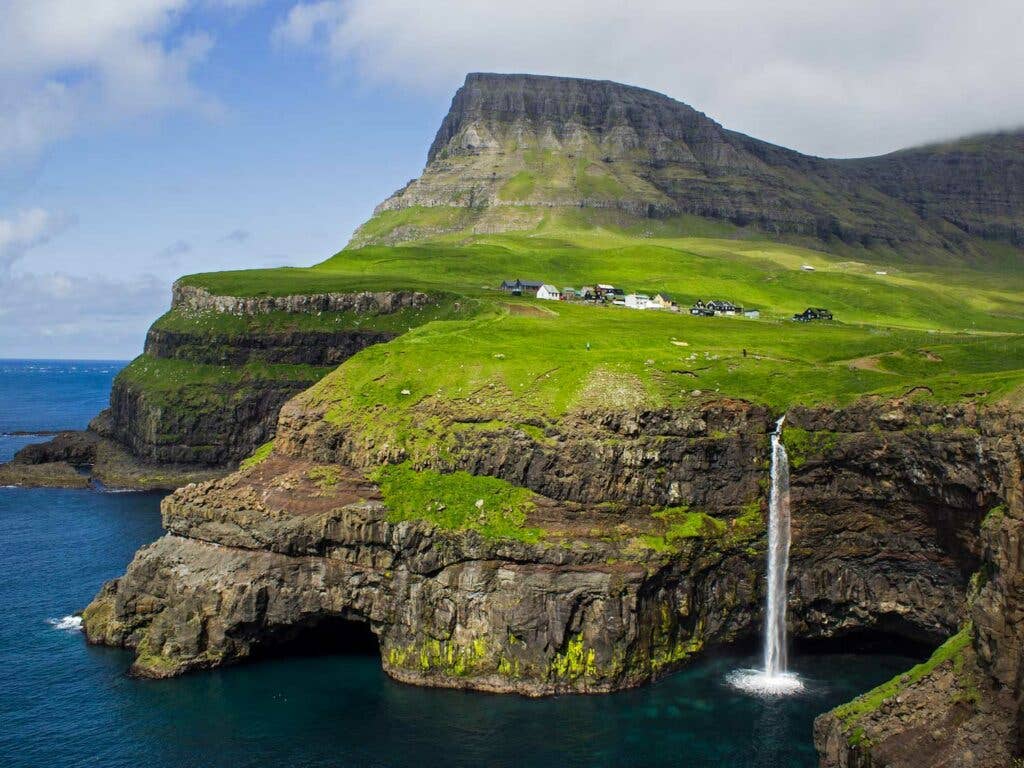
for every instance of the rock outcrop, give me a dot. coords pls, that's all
(887, 499)
(964, 706)
(202, 397)
(510, 142)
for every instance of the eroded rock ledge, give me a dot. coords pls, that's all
(152, 437)
(887, 503)
(191, 298)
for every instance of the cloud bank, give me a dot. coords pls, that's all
(26, 230)
(70, 64)
(839, 78)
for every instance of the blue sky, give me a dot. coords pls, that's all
(144, 139)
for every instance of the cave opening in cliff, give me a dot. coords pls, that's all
(327, 635)
(870, 641)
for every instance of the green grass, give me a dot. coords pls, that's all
(260, 455)
(943, 334)
(457, 501)
(851, 713)
(754, 273)
(680, 524)
(163, 380)
(519, 187)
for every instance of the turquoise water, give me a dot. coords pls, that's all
(63, 703)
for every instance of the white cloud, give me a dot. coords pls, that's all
(62, 315)
(845, 77)
(65, 64)
(26, 230)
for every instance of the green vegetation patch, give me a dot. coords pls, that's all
(457, 501)
(680, 524)
(260, 455)
(325, 478)
(519, 187)
(576, 660)
(801, 444)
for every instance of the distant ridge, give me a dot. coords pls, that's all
(515, 142)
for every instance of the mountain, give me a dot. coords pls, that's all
(514, 146)
(570, 496)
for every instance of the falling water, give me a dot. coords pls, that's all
(774, 678)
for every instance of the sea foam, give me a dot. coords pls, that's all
(66, 623)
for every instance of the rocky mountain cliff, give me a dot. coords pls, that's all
(514, 142)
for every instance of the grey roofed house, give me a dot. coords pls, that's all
(518, 286)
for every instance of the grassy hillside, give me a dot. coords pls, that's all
(937, 333)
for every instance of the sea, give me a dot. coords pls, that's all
(64, 703)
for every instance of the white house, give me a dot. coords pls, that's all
(807, 268)
(641, 301)
(549, 292)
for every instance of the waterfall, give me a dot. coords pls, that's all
(773, 678)
(778, 558)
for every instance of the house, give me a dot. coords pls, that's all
(813, 313)
(753, 314)
(518, 287)
(549, 292)
(606, 292)
(806, 267)
(714, 307)
(569, 294)
(664, 301)
(587, 293)
(724, 307)
(639, 301)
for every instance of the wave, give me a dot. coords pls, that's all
(66, 623)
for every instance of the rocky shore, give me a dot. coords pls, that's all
(887, 503)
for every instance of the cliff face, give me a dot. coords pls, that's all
(887, 500)
(515, 141)
(222, 419)
(964, 706)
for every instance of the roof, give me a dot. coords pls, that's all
(548, 288)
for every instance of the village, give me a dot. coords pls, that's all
(603, 293)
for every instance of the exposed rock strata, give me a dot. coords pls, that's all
(967, 711)
(83, 459)
(523, 140)
(886, 508)
(191, 298)
(145, 439)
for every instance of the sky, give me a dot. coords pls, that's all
(145, 139)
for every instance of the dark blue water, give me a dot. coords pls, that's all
(50, 395)
(63, 703)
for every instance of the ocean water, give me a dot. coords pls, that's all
(63, 703)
